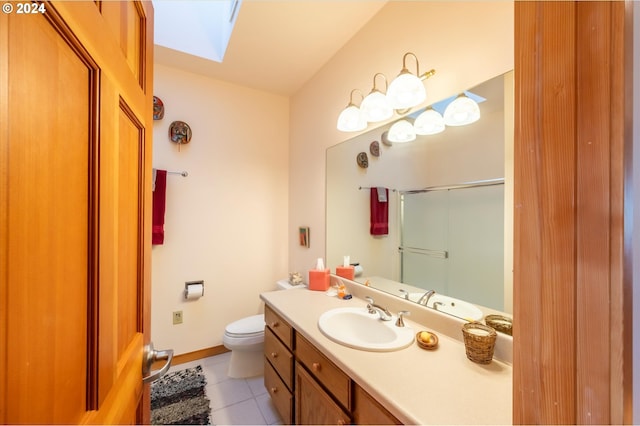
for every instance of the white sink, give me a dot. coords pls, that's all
(451, 306)
(357, 328)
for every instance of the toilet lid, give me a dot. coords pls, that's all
(249, 325)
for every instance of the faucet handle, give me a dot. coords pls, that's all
(404, 293)
(369, 305)
(400, 322)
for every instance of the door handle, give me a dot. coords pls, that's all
(150, 356)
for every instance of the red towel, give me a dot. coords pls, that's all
(159, 202)
(379, 213)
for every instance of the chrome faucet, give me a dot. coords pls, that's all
(424, 299)
(385, 315)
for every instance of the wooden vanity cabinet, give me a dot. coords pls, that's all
(308, 388)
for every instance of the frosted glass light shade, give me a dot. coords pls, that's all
(375, 107)
(462, 111)
(401, 131)
(351, 119)
(406, 91)
(429, 122)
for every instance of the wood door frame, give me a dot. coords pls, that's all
(572, 317)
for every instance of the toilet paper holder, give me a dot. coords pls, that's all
(193, 289)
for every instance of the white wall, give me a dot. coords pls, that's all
(466, 42)
(226, 223)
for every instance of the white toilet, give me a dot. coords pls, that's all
(245, 339)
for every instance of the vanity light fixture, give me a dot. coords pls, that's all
(375, 106)
(430, 122)
(401, 131)
(462, 111)
(407, 89)
(351, 119)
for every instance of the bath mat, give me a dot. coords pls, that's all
(179, 398)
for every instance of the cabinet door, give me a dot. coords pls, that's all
(313, 405)
(368, 411)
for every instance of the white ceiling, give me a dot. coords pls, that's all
(277, 46)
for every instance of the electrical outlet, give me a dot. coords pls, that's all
(177, 317)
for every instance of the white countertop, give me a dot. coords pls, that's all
(416, 385)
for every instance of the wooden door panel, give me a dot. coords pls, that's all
(125, 20)
(48, 268)
(129, 226)
(75, 238)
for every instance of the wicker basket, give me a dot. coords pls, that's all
(479, 341)
(499, 323)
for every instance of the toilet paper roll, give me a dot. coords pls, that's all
(194, 291)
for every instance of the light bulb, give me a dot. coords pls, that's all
(401, 131)
(462, 111)
(351, 119)
(429, 122)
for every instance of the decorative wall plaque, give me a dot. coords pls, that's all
(180, 132)
(363, 160)
(158, 108)
(374, 148)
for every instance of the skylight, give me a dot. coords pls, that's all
(197, 27)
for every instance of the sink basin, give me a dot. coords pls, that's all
(451, 306)
(357, 328)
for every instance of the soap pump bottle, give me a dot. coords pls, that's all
(319, 277)
(346, 270)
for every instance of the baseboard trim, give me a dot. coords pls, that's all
(192, 356)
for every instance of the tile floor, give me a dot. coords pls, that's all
(234, 401)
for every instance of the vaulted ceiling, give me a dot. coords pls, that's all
(277, 46)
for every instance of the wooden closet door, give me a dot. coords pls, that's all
(75, 145)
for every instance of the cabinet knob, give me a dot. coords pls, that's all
(274, 355)
(316, 366)
(275, 324)
(274, 390)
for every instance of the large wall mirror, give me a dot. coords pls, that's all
(449, 230)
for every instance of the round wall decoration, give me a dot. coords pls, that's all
(363, 160)
(158, 108)
(180, 132)
(374, 148)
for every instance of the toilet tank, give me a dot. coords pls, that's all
(285, 285)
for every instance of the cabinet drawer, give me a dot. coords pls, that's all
(279, 356)
(280, 396)
(368, 411)
(280, 327)
(313, 405)
(325, 371)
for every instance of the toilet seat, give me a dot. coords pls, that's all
(252, 326)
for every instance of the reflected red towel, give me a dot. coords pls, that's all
(159, 202)
(379, 213)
